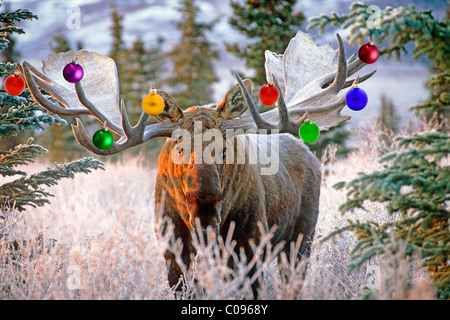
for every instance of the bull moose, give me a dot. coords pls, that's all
(198, 195)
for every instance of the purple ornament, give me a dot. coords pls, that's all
(73, 72)
(356, 99)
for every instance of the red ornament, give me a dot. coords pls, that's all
(268, 94)
(368, 53)
(14, 84)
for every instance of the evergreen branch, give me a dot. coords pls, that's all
(8, 20)
(424, 207)
(400, 25)
(27, 191)
(20, 155)
(23, 117)
(12, 18)
(7, 69)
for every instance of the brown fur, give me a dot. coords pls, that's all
(221, 193)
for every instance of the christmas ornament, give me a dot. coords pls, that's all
(309, 131)
(73, 72)
(103, 138)
(268, 94)
(368, 53)
(153, 103)
(356, 99)
(14, 84)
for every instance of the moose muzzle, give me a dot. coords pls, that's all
(204, 198)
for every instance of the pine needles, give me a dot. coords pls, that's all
(415, 183)
(27, 190)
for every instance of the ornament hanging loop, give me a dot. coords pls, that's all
(105, 126)
(152, 88)
(16, 71)
(355, 82)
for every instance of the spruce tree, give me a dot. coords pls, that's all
(118, 44)
(117, 51)
(388, 120)
(23, 114)
(415, 180)
(10, 54)
(143, 67)
(269, 25)
(60, 43)
(193, 72)
(137, 66)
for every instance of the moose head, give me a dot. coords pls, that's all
(199, 194)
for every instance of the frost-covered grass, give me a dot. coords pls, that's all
(107, 246)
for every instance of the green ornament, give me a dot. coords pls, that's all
(309, 131)
(103, 139)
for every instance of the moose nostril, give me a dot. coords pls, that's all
(203, 197)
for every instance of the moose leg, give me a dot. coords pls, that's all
(174, 271)
(252, 272)
(257, 283)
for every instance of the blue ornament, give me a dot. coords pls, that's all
(356, 99)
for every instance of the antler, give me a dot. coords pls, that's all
(318, 100)
(100, 82)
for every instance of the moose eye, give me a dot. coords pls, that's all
(224, 152)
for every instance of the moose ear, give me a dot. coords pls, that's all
(172, 112)
(233, 105)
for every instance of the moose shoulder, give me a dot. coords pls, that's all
(261, 173)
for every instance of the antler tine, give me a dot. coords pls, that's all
(130, 131)
(318, 100)
(41, 99)
(341, 73)
(127, 128)
(93, 110)
(352, 57)
(363, 78)
(260, 123)
(133, 136)
(36, 72)
(286, 124)
(282, 109)
(337, 79)
(355, 66)
(85, 141)
(130, 135)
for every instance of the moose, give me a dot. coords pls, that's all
(200, 196)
